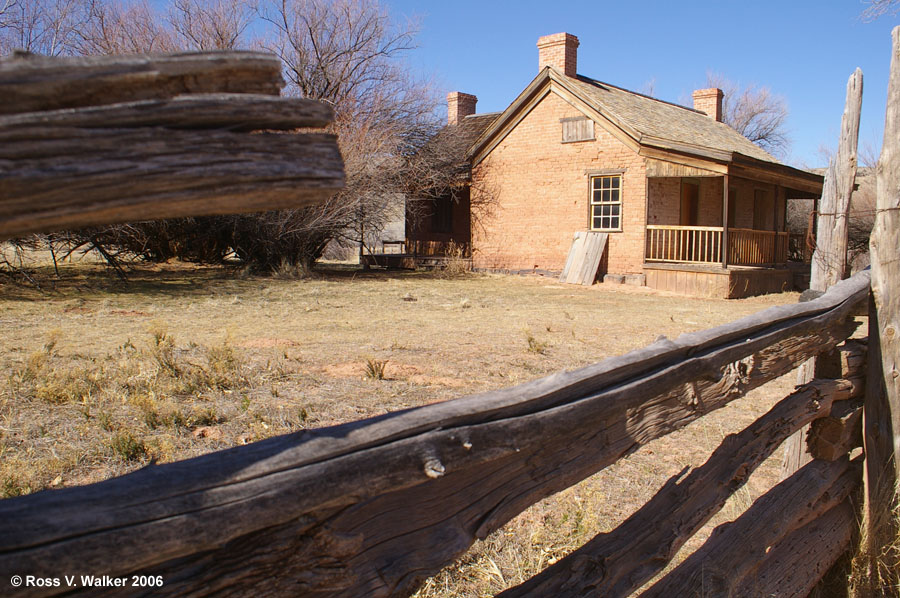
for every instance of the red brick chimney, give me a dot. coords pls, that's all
(709, 102)
(560, 51)
(459, 106)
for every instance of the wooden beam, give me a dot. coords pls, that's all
(799, 562)
(726, 565)
(61, 177)
(233, 111)
(619, 562)
(829, 261)
(882, 407)
(834, 436)
(29, 82)
(884, 244)
(371, 508)
(663, 168)
(725, 182)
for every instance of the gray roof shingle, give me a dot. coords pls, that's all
(656, 118)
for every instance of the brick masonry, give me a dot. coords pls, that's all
(559, 50)
(534, 195)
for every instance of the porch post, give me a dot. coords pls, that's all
(725, 222)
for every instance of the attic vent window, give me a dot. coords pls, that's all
(578, 128)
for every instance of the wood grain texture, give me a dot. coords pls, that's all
(726, 565)
(834, 436)
(884, 249)
(829, 260)
(619, 562)
(795, 565)
(63, 177)
(593, 258)
(881, 417)
(29, 82)
(231, 111)
(373, 507)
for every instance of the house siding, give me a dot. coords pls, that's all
(531, 194)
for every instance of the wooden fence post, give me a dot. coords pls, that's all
(829, 261)
(882, 407)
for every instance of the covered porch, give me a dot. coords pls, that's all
(721, 232)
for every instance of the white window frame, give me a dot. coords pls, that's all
(602, 197)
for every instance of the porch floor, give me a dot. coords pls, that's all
(712, 280)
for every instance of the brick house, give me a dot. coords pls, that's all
(687, 203)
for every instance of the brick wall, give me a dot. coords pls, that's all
(665, 200)
(533, 190)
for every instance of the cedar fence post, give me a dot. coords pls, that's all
(829, 261)
(882, 407)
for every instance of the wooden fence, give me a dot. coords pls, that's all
(373, 507)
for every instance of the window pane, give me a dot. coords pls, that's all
(614, 195)
(614, 209)
(596, 198)
(597, 223)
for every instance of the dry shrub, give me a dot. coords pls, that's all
(875, 570)
(457, 262)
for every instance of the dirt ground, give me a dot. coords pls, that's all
(105, 375)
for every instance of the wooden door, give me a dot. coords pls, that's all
(690, 204)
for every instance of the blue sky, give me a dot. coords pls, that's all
(802, 50)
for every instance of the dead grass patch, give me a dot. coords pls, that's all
(104, 376)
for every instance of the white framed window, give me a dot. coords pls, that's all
(606, 202)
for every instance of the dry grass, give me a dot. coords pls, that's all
(104, 376)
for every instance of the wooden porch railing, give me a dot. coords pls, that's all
(684, 244)
(703, 245)
(747, 247)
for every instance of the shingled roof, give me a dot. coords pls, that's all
(650, 119)
(646, 120)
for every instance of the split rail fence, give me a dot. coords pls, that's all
(373, 507)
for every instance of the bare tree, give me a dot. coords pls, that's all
(879, 8)
(5, 7)
(754, 112)
(114, 27)
(49, 27)
(211, 24)
(349, 53)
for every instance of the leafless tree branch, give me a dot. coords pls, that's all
(879, 8)
(754, 112)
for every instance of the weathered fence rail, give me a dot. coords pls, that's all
(96, 140)
(372, 507)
